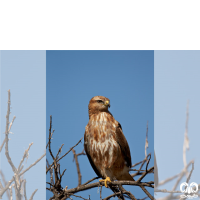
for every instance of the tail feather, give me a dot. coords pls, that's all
(125, 177)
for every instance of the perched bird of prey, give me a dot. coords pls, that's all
(105, 144)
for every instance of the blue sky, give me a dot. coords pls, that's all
(73, 78)
(177, 80)
(24, 73)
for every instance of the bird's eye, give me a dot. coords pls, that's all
(99, 101)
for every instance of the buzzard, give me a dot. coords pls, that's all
(105, 144)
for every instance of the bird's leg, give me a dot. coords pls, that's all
(105, 180)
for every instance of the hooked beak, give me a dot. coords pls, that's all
(107, 103)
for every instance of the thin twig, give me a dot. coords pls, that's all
(4, 182)
(101, 193)
(50, 138)
(59, 151)
(6, 135)
(11, 123)
(24, 156)
(11, 194)
(77, 167)
(168, 179)
(91, 180)
(167, 191)
(33, 164)
(181, 175)
(1, 147)
(190, 172)
(64, 155)
(25, 190)
(31, 198)
(140, 169)
(78, 196)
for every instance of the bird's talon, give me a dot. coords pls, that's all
(105, 181)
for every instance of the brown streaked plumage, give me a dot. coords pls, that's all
(105, 144)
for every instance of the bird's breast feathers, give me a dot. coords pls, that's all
(101, 133)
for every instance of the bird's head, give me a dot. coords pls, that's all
(98, 104)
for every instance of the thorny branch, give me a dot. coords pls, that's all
(60, 194)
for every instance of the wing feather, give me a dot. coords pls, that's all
(121, 140)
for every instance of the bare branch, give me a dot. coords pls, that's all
(126, 192)
(167, 191)
(136, 164)
(1, 147)
(11, 123)
(64, 155)
(5, 183)
(70, 149)
(31, 198)
(79, 197)
(142, 164)
(101, 193)
(9, 182)
(168, 179)
(33, 164)
(59, 151)
(190, 172)
(11, 194)
(112, 195)
(91, 180)
(49, 144)
(97, 184)
(184, 171)
(6, 187)
(18, 182)
(25, 190)
(24, 156)
(77, 166)
(6, 135)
